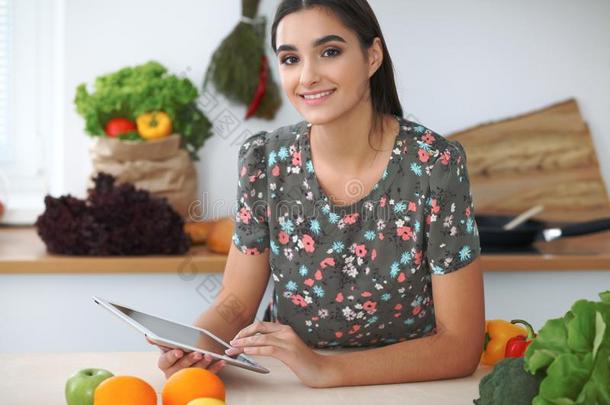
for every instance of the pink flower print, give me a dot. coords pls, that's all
(370, 307)
(252, 178)
(412, 206)
(418, 254)
(297, 299)
(428, 219)
(318, 275)
(366, 294)
(397, 307)
(350, 218)
(397, 315)
(445, 157)
(401, 277)
(416, 310)
(252, 251)
(243, 171)
(276, 170)
(435, 207)
(380, 236)
(428, 138)
(245, 215)
(268, 211)
(296, 159)
(467, 211)
(283, 237)
(405, 232)
(315, 318)
(423, 155)
(360, 250)
(339, 297)
(382, 201)
(354, 329)
(309, 282)
(338, 334)
(309, 244)
(373, 254)
(328, 261)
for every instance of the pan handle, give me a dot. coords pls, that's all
(583, 228)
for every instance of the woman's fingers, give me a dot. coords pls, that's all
(161, 347)
(259, 327)
(217, 366)
(208, 363)
(186, 361)
(169, 358)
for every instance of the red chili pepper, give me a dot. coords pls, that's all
(260, 89)
(516, 346)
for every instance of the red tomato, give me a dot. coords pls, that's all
(119, 126)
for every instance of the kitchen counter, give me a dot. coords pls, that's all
(22, 251)
(40, 378)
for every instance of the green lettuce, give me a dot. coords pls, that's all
(574, 352)
(132, 91)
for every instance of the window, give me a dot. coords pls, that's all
(28, 104)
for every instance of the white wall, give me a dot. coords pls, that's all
(55, 313)
(457, 64)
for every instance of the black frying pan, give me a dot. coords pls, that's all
(492, 234)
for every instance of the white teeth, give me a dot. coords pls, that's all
(319, 95)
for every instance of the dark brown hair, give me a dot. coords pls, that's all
(358, 16)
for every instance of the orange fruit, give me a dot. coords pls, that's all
(124, 390)
(207, 401)
(191, 383)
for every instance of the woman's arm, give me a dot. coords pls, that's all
(454, 351)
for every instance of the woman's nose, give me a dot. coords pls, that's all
(309, 75)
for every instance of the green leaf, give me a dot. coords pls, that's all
(550, 342)
(566, 377)
(581, 329)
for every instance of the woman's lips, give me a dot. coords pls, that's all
(319, 100)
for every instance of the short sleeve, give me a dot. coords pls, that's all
(451, 231)
(251, 231)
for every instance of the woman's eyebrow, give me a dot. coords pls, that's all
(316, 43)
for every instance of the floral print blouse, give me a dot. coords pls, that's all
(357, 275)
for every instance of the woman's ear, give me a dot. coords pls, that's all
(375, 56)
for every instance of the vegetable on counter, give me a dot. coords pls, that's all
(132, 91)
(516, 346)
(119, 126)
(509, 384)
(574, 354)
(114, 220)
(497, 334)
(154, 125)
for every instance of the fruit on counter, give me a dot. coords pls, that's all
(119, 126)
(154, 125)
(207, 401)
(497, 334)
(191, 383)
(574, 354)
(217, 234)
(81, 385)
(124, 390)
(509, 384)
(517, 345)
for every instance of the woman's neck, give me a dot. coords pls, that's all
(344, 143)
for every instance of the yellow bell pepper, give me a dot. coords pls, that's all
(154, 125)
(497, 334)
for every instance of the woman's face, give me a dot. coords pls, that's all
(317, 54)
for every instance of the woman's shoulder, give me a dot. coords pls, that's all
(265, 140)
(429, 145)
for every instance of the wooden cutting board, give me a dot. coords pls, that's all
(542, 157)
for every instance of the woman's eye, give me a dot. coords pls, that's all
(334, 51)
(331, 52)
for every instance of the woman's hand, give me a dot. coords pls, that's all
(281, 341)
(172, 360)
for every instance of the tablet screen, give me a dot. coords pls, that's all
(173, 331)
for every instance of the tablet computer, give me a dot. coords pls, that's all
(179, 336)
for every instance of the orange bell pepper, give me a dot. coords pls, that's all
(497, 334)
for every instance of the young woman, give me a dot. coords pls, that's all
(362, 217)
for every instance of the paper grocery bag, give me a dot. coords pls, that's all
(159, 166)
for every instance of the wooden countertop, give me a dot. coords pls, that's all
(39, 378)
(22, 251)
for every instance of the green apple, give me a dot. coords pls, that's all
(81, 386)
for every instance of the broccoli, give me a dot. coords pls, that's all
(509, 384)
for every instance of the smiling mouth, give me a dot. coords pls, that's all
(317, 95)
